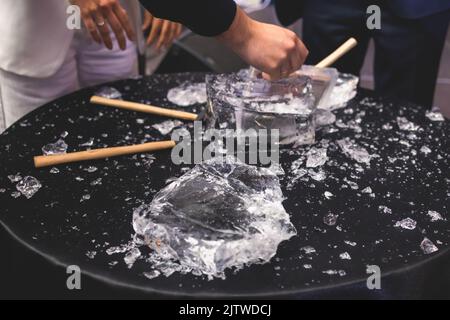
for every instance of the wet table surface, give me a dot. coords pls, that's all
(84, 209)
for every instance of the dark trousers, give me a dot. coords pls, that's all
(407, 52)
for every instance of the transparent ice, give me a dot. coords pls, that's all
(324, 117)
(220, 215)
(345, 256)
(316, 157)
(355, 152)
(406, 125)
(28, 186)
(344, 91)
(88, 143)
(434, 215)
(167, 126)
(428, 246)
(15, 177)
(434, 115)
(330, 219)
(188, 94)
(54, 170)
(407, 223)
(109, 93)
(317, 175)
(425, 150)
(59, 147)
(308, 249)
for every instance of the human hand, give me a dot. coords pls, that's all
(162, 32)
(98, 14)
(275, 51)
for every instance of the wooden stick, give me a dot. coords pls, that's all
(133, 106)
(336, 55)
(46, 161)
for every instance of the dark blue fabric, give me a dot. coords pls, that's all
(289, 11)
(412, 9)
(407, 51)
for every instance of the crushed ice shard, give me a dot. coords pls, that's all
(59, 147)
(28, 186)
(188, 94)
(109, 93)
(316, 157)
(222, 214)
(355, 152)
(428, 246)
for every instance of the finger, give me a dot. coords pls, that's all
(156, 27)
(179, 30)
(303, 51)
(117, 29)
(124, 20)
(92, 29)
(174, 32)
(103, 29)
(164, 35)
(147, 21)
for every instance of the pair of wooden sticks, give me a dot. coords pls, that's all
(52, 160)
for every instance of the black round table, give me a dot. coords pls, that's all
(75, 217)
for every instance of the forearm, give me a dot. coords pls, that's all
(204, 17)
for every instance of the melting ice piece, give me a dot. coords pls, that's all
(28, 186)
(330, 219)
(425, 150)
(109, 93)
(435, 216)
(166, 127)
(316, 157)
(345, 256)
(344, 91)
(407, 223)
(406, 125)
(434, 116)
(88, 143)
(188, 94)
(15, 177)
(352, 150)
(324, 118)
(221, 214)
(428, 246)
(59, 147)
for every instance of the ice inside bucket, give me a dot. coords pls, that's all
(241, 101)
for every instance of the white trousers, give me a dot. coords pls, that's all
(87, 64)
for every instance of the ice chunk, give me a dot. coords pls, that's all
(16, 194)
(132, 256)
(15, 177)
(59, 147)
(345, 256)
(434, 116)
(428, 246)
(434, 215)
(316, 157)
(308, 250)
(54, 170)
(221, 214)
(355, 152)
(166, 127)
(88, 143)
(407, 223)
(188, 94)
(91, 169)
(318, 175)
(406, 125)
(425, 150)
(341, 273)
(344, 91)
(324, 117)
(109, 93)
(385, 209)
(330, 219)
(2, 190)
(328, 195)
(28, 186)
(367, 190)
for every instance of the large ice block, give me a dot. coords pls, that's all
(221, 214)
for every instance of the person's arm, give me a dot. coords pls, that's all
(272, 49)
